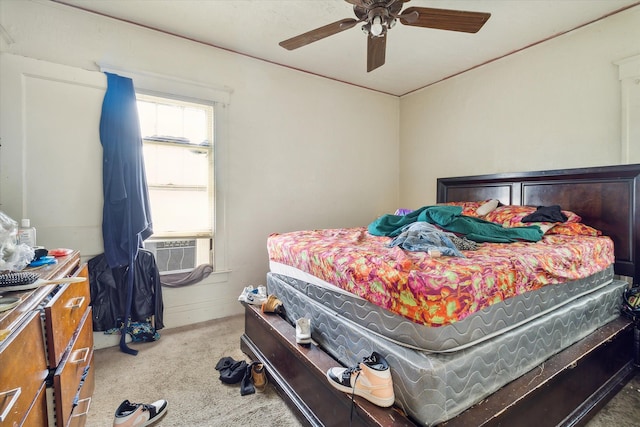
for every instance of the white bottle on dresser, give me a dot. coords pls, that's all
(27, 233)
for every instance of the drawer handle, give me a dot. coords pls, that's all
(75, 303)
(83, 352)
(14, 398)
(80, 419)
(82, 404)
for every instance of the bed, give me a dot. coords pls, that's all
(502, 358)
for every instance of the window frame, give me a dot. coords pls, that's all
(208, 233)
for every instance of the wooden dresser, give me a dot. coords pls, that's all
(46, 351)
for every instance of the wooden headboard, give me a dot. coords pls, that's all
(607, 198)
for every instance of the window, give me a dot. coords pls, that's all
(178, 141)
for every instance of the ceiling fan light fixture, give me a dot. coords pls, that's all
(376, 26)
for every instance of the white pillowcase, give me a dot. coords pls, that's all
(487, 207)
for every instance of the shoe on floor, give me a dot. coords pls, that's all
(139, 414)
(273, 305)
(370, 379)
(303, 331)
(259, 376)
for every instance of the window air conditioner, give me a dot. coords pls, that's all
(173, 256)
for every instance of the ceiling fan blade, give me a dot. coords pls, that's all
(376, 50)
(444, 19)
(318, 33)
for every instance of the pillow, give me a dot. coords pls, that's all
(511, 216)
(574, 229)
(490, 206)
(468, 208)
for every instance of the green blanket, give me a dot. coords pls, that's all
(450, 218)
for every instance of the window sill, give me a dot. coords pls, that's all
(174, 280)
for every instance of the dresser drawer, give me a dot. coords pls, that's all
(81, 410)
(37, 415)
(69, 374)
(63, 314)
(23, 370)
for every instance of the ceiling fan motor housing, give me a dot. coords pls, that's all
(378, 15)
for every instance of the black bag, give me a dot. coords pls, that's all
(231, 371)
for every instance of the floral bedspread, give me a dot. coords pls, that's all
(438, 291)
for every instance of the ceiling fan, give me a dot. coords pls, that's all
(381, 15)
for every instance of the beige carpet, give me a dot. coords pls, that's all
(180, 368)
(623, 410)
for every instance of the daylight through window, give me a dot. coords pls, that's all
(178, 154)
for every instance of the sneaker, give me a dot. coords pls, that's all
(259, 376)
(139, 414)
(243, 295)
(370, 379)
(273, 305)
(303, 331)
(256, 296)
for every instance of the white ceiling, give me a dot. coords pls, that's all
(416, 57)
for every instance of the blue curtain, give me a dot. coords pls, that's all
(126, 218)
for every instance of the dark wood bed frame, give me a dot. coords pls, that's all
(568, 389)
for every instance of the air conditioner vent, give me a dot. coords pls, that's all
(173, 256)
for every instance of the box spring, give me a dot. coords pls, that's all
(432, 388)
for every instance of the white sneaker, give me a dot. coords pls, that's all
(303, 331)
(243, 295)
(370, 379)
(257, 296)
(139, 414)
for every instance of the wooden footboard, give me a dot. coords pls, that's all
(299, 375)
(568, 389)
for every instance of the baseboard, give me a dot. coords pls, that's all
(102, 340)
